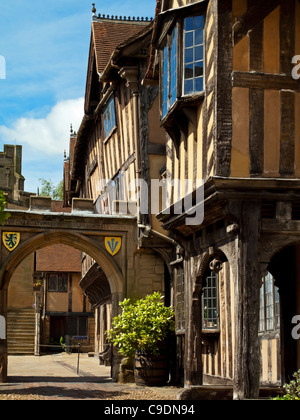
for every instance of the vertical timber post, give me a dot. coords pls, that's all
(3, 336)
(193, 345)
(248, 282)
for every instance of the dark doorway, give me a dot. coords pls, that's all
(284, 269)
(57, 328)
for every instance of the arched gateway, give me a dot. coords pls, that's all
(110, 240)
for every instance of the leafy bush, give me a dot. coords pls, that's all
(143, 325)
(3, 214)
(292, 390)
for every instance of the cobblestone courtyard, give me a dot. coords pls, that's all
(54, 377)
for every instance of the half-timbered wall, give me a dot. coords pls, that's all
(218, 347)
(194, 158)
(265, 97)
(247, 123)
(244, 125)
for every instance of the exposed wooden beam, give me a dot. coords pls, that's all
(265, 81)
(256, 13)
(278, 227)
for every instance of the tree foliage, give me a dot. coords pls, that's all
(292, 389)
(51, 190)
(142, 325)
(3, 214)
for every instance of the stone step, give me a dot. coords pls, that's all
(21, 331)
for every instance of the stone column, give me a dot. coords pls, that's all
(3, 336)
(247, 291)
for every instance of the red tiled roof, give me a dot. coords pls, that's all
(108, 34)
(58, 258)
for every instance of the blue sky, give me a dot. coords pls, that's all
(45, 44)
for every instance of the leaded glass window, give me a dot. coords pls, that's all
(193, 78)
(109, 117)
(210, 302)
(269, 319)
(169, 88)
(180, 299)
(58, 282)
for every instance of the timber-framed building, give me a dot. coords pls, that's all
(119, 148)
(231, 108)
(204, 92)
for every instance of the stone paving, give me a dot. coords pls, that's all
(54, 377)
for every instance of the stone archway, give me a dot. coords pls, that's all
(82, 230)
(75, 240)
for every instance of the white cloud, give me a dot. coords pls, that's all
(49, 135)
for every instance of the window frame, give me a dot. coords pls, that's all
(178, 22)
(213, 328)
(166, 69)
(265, 306)
(108, 108)
(193, 47)
(58, 289)
(180, 309)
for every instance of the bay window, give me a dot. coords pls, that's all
(170, 72)
(183, 44)
(193, 55)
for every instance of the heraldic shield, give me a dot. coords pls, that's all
(11, 240)
(113, 245)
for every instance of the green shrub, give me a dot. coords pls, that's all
(142, 325)
(292, 390)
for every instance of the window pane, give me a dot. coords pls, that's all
(199, 85)
(189, 24)
(269, 305)
(210, 305)
(198, 53)
(109, 116)
(169, 79)
(62, 283)
(189, 39)
(173, 86)
(53, 283)
(262, 309)
(189, 55)
(199, 37)
(189, 71)
(180, 304)
(199, 22)
(199, 69)
(188, 86)
(165, 109)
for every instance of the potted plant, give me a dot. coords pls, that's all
(143, 329)
(37, 285)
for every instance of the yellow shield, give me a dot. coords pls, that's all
(113, 245)
(11, 240)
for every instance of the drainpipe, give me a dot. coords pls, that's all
(179, 250)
